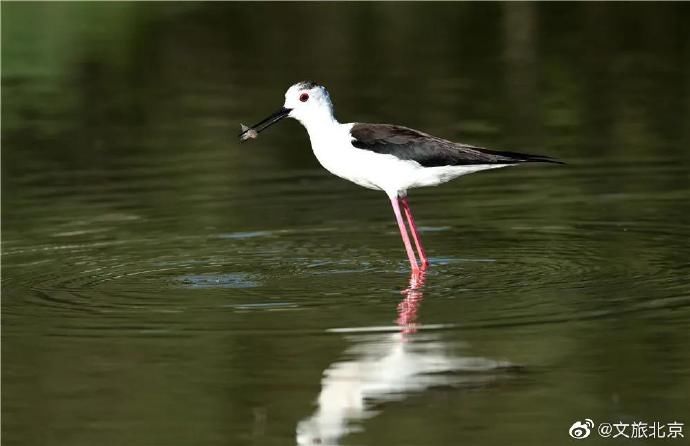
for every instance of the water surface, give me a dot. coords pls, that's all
(163, 284)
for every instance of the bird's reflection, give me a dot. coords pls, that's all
(408, 307)
(387, 367)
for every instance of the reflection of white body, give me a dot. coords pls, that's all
(385, 368)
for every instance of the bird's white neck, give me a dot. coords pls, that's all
(320, 126)
(317, 117)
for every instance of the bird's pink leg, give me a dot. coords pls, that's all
(405, 237)
(415, 233)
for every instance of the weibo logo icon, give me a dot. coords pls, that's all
(580, 430)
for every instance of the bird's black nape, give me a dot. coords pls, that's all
(307, 85)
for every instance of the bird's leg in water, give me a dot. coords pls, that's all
(415, 233)
(403, 233)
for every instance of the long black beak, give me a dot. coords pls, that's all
(266, 123)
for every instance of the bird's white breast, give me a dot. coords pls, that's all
(333, 148)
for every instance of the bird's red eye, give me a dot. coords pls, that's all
(304, 97)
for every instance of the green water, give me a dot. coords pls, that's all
(164, 285)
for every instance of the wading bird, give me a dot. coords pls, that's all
(385, 157)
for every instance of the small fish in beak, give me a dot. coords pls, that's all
(247, 133)
(253, 131)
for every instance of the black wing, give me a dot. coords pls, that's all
(430, 151)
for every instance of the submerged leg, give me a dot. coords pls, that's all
(415, 233)
(403, 233)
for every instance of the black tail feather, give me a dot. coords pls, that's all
(516, 157)
(541, 159)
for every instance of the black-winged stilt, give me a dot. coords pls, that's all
(385, 157)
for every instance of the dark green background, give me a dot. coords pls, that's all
(163, 284)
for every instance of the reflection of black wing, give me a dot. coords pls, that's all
(430, 151)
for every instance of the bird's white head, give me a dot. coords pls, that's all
(307, 102)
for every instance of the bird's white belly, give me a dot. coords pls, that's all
(433, 176)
